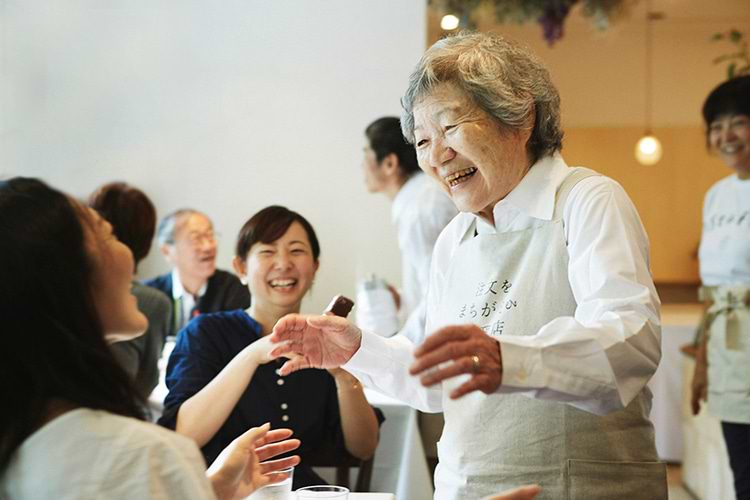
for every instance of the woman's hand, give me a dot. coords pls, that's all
(699, 386)
(522, 493)
(238, 470)
(318, 341)
(259, 350)
(471, 351)
(344, 380)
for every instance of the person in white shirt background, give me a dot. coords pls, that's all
(542, 318)
(420, 210)
(71, 422)
(722, 369)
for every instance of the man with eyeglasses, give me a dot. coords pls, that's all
(188, 242)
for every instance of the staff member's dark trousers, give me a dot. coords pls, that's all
(737, 437)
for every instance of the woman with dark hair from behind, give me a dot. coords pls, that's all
(221, 379)
(71, 418)
(133, 220)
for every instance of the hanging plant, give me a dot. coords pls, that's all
(549, 14)
(739, 58)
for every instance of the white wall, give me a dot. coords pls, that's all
(226, 107)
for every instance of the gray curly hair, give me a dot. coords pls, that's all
(501, 77)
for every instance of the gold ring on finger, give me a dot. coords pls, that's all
(475, 364)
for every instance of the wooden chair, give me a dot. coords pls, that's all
(343, 465)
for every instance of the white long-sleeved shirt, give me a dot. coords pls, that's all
(597, 360)
(420, 211)
(184, 301)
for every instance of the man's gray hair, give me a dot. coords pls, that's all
(168, 226)
(501, 76)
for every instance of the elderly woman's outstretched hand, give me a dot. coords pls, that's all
(314, 341)
(471, 351)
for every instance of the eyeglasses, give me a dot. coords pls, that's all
(198, 239)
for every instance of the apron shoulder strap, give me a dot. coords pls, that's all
(576, 175)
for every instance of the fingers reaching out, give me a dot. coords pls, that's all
(322, 341)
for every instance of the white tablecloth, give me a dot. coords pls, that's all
(679, 323)
(371, 496)
(706, 473)
(400, 463)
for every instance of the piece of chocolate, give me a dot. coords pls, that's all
(340, 306)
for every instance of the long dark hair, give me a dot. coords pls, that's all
(52, 343)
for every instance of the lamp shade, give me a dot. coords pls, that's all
(648, 150)
(449, 22)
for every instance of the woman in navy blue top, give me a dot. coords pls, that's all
(221, 380)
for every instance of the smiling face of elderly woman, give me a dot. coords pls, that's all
(480, 111)
(476, 160)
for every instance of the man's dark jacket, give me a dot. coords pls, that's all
(223, 293)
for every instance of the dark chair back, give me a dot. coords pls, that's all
(343, 466)
(364, 476)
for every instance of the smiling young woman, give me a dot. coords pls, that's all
(722, 369)
(221, 379)
(729, 137)
(113, 267)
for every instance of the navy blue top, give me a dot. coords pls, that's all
(304, 401)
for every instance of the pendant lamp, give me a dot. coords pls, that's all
(648, 149)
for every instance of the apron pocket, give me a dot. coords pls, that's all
(589, 479)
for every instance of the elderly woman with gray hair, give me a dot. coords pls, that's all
(543, 321)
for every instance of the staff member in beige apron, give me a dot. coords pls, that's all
(722, 370)
(542, 319)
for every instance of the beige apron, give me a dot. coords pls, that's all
(513, 284)
(728, 325)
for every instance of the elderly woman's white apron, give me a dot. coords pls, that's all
(513, 284)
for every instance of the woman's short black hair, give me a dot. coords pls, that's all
(269, 225)
(385, 137)
(131, 213)
(730, 98)
(52, 345)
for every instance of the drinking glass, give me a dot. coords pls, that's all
(276, 491)
(319, 492)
